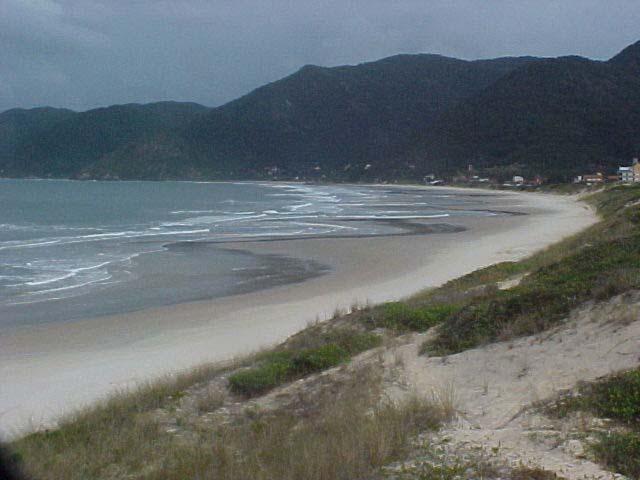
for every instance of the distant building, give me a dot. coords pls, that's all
(625, 174)
(590, 179)
(630, 174)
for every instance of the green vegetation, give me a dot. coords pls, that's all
(615, 397)
(402, 317)
(556, 117)
(619, 452)
(333, 118)
(281, 366)
(597, 264)
(545, 296)
(65, 143)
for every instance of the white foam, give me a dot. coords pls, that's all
(297, 207)
(59, 289)
(326, 225)
(27, 245)
(181, 212)
(391, 217)
(71, 273)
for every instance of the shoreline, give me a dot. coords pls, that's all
(55, 369)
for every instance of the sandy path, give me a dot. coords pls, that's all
(493, 385)
(49, 370)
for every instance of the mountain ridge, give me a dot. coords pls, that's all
(398, 117)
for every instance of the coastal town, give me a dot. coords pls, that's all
(624, 175)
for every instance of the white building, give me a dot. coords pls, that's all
(630, 174)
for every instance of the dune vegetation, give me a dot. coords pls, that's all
(352, 429)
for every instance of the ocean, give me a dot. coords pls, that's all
(71, 249)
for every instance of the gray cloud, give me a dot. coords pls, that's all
(87, 53)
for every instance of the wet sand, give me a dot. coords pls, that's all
(48, 370)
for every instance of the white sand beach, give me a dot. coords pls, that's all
(48, 370)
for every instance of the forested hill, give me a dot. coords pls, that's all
(556, 116)
(318, 121)
(18, 126)
(399, 117)
(336, 121)
(65, 143)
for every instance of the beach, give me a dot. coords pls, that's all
(51, 369)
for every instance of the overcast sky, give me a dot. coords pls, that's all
(82, 54)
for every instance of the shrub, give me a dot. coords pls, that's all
(617, 397)
(256, 380)
(318, 359)
(402, 317)
(530, 473)
(351, 340)
(620, 452)
(275, 368)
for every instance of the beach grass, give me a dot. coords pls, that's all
(349, 435)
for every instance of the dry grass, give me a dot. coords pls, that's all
(210, 400)
(446, 400)
(350, 435)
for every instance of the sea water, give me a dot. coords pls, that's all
(71, 249)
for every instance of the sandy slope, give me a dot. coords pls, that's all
(495, 386)
(48, 370)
